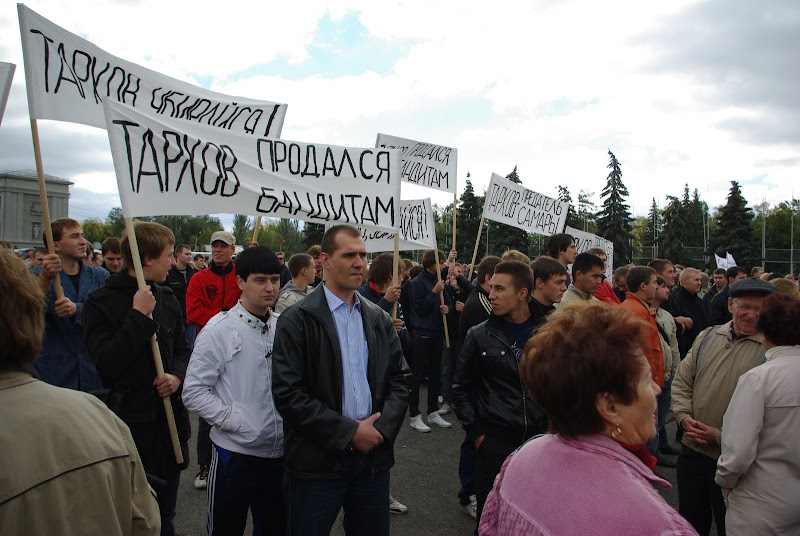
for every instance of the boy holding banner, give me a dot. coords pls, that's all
(118, 334)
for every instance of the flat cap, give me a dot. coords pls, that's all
(223, 236)
(750, 286)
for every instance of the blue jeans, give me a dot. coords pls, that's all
(466, 470)
(167, 500)
(449, 360)
(664, 403)
(313, 504)
(191, 333)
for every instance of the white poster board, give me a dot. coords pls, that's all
(513, 204)
(417, 229)
(425, 164)
(179, 167)
(68, 79)
(6, 76)
(584, 241)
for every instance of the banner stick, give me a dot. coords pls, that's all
(256, 228)
(48, 230)
(441, 297)
(137, 266)
(395, 279)
(475, 251)
(455, 202)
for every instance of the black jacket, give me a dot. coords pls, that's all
(178, 284)
(476, 309)
(307, 386)
(118, 339)
(488, 392)
(681, 302)
(718, 312)
(425, 305)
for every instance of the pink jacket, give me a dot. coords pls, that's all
(589, 485)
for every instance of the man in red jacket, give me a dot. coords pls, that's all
(210, 291)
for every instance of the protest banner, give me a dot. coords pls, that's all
(68, 79)
(584, 241)
(166, 166)
(513, 204)
(416, 229)
(6, 76)
(426, 164)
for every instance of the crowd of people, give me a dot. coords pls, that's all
(303, 371)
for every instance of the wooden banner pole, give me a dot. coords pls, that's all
(455, 202)
(46, 228)
(137, 266)
(256, 228)
(441, 297)
(475, 251)
(395, 266)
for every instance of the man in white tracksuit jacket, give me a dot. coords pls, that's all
(229, 384)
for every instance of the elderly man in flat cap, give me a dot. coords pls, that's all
(701, 391)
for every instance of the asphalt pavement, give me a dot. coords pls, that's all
(424, 478)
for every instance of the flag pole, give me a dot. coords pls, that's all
(48, 230)
(137, 266)
(256, 228)
(395, 279)
(475, 251)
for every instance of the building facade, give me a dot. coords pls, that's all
(20, 207)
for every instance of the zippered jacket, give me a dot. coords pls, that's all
(210, 291)
(228, 383)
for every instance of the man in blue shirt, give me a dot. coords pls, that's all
(339, 382)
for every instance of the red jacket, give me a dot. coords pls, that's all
(210, 291)
(605, 292)
(652, 342)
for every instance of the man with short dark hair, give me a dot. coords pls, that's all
(229, 384)
(562, 248)
(64, 360)
(621, 282)
(701, 392)
(301, 266)
(112, 255)
(605, 292)
(427, 339)
(491, 402)
(718, 312)
(587, 274)
(199, 261)
(286, 274)
(38, 256)
(339, 383)
(209, 292)
(719, 284)
(549, 285)
(178, 279)
(316, 253)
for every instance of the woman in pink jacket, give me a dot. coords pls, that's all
(592, 474)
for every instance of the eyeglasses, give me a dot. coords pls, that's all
(748, 309)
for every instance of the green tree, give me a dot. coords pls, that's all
(572, 216)
(674, 231)
(115, 221)
(614, 220)
(509, 237)
(291, 238)
(242, 229)
(312, 234)
(734, 230)
(586, 212)
(95, 231)
(469, 217)
(652, 230)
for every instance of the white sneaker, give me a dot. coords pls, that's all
(440, 399)
(418, 425)
(471, 509)
(445, 409)
(436, 419)
(396, 507)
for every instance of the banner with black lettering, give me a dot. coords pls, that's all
(426, 164)
(165, 166)
(68, 79)
(6, 76)
(417, 230)
(584, 241)
(513, 204)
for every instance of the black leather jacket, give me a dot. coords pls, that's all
(307, 386)
(488, 392)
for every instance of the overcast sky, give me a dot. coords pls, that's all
(682, 92)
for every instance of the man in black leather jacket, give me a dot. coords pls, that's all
(342, 399)
(491, 401)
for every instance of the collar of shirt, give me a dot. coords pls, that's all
(334, 302)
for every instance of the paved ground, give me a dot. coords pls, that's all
(425, 478)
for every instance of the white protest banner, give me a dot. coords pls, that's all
(6, 76)
(513, 204)
(417, 230)
(585, 241)
(68, 78)
(165, 166)
(722, 262)
(730, 259)
(426, 164)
